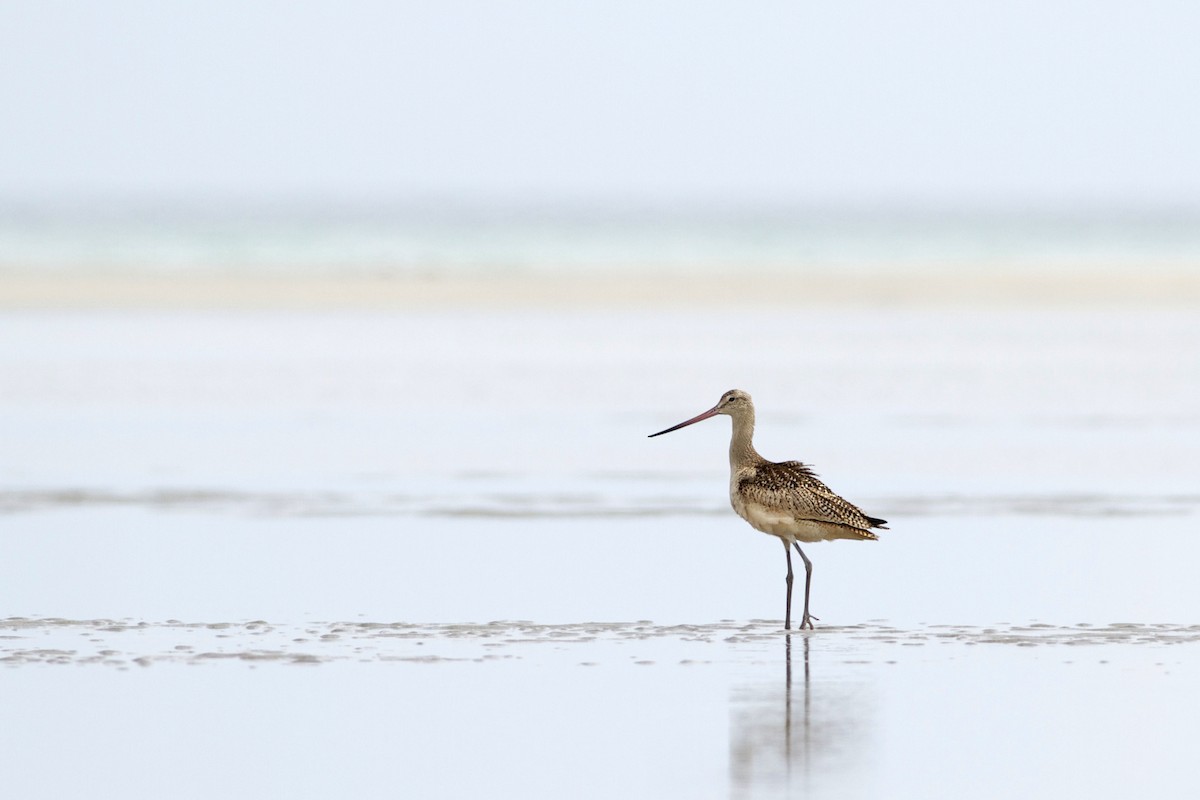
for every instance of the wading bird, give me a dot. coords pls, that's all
(784, 499)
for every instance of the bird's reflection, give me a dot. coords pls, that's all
(798, 734)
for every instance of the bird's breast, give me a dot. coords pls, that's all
(774, 521)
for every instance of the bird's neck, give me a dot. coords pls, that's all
(741, 445)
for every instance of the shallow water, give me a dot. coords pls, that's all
(597, 709)
(294, 545)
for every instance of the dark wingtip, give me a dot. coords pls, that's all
(876, 522)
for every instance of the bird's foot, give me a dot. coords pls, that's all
(807, 621)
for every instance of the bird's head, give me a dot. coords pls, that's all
(732, 401)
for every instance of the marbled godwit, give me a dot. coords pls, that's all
(784, 499)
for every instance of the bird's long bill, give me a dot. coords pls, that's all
(712, 412)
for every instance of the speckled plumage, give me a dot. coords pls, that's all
(805, 508)
(785, 498)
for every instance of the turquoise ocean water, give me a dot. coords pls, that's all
(440, 240)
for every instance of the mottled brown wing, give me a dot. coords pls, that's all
(795, 487)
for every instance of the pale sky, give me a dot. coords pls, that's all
(1044, 103)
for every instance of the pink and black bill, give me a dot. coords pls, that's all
(712, 412)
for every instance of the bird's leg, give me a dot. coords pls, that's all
(787, 618)
(807, 618)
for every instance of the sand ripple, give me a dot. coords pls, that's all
(125, 643)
